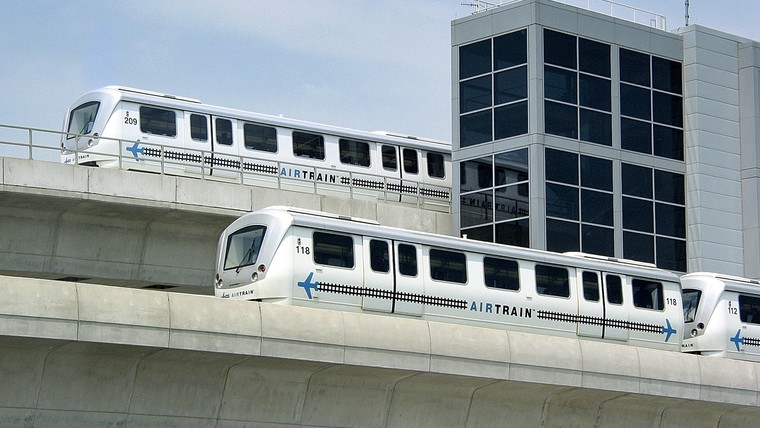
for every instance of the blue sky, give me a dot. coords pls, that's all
(369, 65)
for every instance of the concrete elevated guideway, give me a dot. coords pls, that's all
(89, 355)
(142, 230)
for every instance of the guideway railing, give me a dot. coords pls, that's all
(45, 145)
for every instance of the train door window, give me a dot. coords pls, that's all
(690, 303)
(448, 266)
(501, 273)
(407, 260)
(591, 286)
(308, 145)
(333, 250)
(258, 137)
(552, 281)
(614, 289)
(647, 294)
(158, 121)
(353, 152)
(82, 118)
(223, 131)
(198, 127)
(411, 164)
(435, 165)
(390, 159)
(378, 254)
(749, 309)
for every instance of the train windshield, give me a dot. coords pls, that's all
(82, 118)
(243, 247)
(690, 303)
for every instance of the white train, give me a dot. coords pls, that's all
(306, 258)
(118, 127)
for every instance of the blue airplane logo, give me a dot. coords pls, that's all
(136, 150)
(308, 285)
(737, 339)
(669, 330)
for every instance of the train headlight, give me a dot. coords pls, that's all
(218, 281)
(694, 332)
(254, 277)
(262, 268)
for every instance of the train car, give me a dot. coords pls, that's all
(119, 127)
(721, 315)
(305, 258)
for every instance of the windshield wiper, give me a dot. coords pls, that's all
(246, 257)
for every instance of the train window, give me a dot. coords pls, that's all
(690, 304)
(749, 309)
(333, 250)
(158, 121)
(614, 288)
(198, 127)
(435, 165)
(224, 131)
(647, 294)
(411, 164)
(308, 145)
(258, 137)
(448, 266)
(353, 152)
(378, 255)
(390, 160)
(590, 286)
(243, 247)
(82, 118)
(552, 281)
(407, 260)
(501, 273)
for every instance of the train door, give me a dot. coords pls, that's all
(391, 171)
(198, 144)
(408, 278)
(378, 275)
(225, 162)
(590, 304)
(616, 315)
(411, 175)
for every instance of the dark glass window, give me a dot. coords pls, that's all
(259, 137)
(475, 128)
(158, 121)
(636, 135)
(411, 163)
(596, 207)
(671, 254)
(511, 167)
(390, 160)
(511, 120)
(560, 85)
(407, 260)
(474, 59)
(671, 220)
(511, 202)
(333, 250)
(475, 174)
(435, 166)
(669, 187)
(638, 246)
(647, 294)
(482, 233)
(223, 131)
(596, 173)
(308, 145)
(510, 85)
(634, 67)
(666, 75)
(594, 92)
(691, 303)
(476, 208)
(668, 142)
(614, 289)
(449, 266)
(561, 166)
(552, 281)
(501, 273)
(510, 50)
(668, 109)
(198, 127)
(561, 119)
(561, 201)
(635, 102)
(513, 233)
(559, 49)
(562, 236)
(749, 309)
(594, 57)
(353, 152)
(598, 240)
(637, 180)
(379, 256)
(475, 94)
(638, 215)
(590, 286)
(596, 127)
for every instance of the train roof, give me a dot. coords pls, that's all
(195, 105)
(339, 223)
(729, 282)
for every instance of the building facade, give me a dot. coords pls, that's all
(578, 131)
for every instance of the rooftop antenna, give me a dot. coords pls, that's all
(480, 5)
(687, 12)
